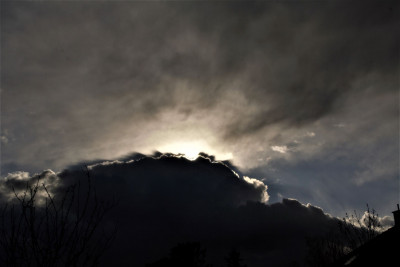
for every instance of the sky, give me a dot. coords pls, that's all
(302, 96)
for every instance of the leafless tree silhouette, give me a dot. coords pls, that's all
(364, 228)
(65, 229)
(353, 231)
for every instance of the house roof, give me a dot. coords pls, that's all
(383, 250)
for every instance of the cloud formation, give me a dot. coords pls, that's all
(167, 200)
(84, 81)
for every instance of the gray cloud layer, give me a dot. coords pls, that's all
(100, 80)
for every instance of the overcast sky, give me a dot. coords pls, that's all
(303, 96)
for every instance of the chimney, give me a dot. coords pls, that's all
(396, 215)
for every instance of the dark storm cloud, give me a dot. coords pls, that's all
(167, 200)
(307, 62)
(305, 93)
(215, 182)
(90, 69)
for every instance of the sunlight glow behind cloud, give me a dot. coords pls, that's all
(258, 95)
(191, 149)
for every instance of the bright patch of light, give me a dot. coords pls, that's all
(280, 149)
(191, 149)
(258, 184)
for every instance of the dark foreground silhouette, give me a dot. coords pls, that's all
(193, 255)
(162, 201)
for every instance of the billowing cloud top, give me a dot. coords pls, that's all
(165, 200)
(154, 179)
